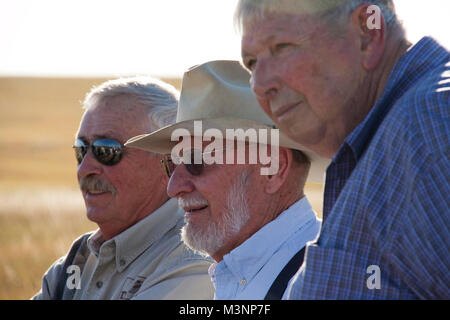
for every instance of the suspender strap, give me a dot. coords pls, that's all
(68, 262)
(278, 287)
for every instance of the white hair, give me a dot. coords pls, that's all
(387, 8)
(328, 10)
(212, 238)
(160, 98)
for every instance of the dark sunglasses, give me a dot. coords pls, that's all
(106, 151)
(193, 168)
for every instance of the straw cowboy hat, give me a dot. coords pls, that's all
(218, 93)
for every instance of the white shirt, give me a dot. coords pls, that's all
(248, 271)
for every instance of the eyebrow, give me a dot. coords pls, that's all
(263, 42)
(107, 135)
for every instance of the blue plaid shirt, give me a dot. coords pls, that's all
(386, 203)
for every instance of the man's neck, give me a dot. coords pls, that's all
(110, 229)
(370, 90)
(396, 46)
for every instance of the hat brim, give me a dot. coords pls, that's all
(161, 142)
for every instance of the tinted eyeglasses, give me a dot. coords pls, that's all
(192, 167)
(106, 151)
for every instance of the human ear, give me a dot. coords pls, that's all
(371, 28)
(276, 180)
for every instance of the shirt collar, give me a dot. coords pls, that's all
(411, 66)
(129, 244)
(245, 261)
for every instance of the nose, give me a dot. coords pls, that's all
(264, 80)
(180, 182)
(88, 166)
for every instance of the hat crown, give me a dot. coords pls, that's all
(219, 89)
(218, 92)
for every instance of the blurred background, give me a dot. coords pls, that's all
(51, 53)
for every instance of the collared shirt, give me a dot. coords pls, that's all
(146, 261)
(386, 203)
(248, 271)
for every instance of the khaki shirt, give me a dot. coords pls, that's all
(146, 261)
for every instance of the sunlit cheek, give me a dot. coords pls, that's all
(298, 68)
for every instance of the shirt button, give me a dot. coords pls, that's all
(122, 262)
(243, 282)
(99, 284)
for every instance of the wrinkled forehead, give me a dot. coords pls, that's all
(116, 118)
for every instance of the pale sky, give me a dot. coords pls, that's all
(158, 37)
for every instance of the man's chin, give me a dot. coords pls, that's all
(201, 242)
(95, 214)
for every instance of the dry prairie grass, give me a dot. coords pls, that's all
(41, 210)
(37, 228)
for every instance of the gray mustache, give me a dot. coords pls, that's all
(93, 183)
(191, 202)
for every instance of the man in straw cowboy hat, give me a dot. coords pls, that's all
(253, 223)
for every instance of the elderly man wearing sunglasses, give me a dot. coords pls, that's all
(254, 226)
(137, 252)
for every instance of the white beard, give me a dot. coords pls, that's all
(211, 239)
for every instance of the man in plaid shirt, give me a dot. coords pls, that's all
(341, 78)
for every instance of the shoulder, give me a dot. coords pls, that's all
(55, 272)
(180, 274)
(183, 259)
(178, 258)
(77, 245)
(421, 115)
